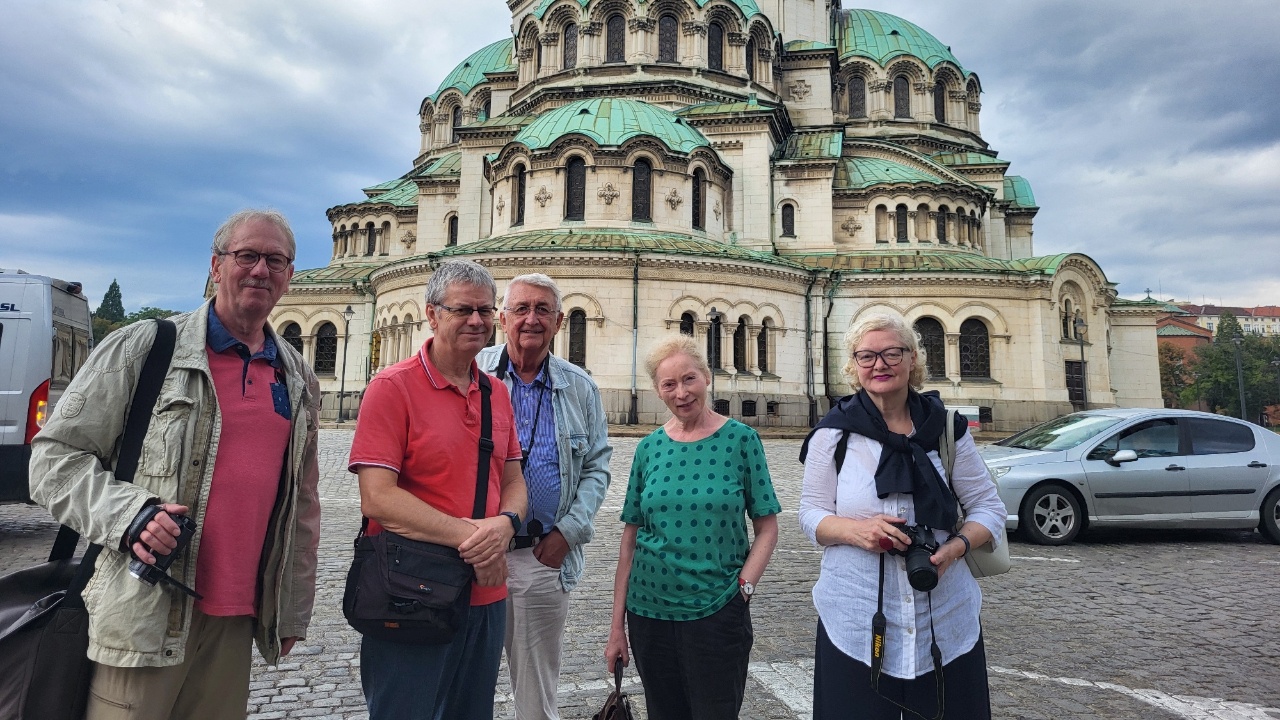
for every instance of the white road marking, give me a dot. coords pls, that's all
(792, 684)
(1041, 558)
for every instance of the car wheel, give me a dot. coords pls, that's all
(1051, 515)
(1270, 525)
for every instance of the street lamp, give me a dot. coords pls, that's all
(1237, 341)
(1080, 328)
(713, 333)
(342, 383)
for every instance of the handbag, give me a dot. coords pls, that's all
(44, 626)
(984, 560)
(410, 591)
(617, 706)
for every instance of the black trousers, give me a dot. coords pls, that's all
(842, 688)
(694, 669)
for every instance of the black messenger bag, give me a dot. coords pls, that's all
(410, 591)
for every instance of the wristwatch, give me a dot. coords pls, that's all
(747, 589)
(515, 520)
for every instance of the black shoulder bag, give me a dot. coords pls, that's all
(44, 627)
(410, 591)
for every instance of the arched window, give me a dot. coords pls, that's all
(934, 344)
(901, 97)
(751, 59)
(857, 97)
(487, 110)
(371, 239)
(1068, 319)
(457, 122)
(715, 46)
(386, 237)
(699, 199)
(686, 324)
(940, 102)
(615, 39)
(578, 337)
(740, 345)
(900, 223)
(788, 220)
(975, 350)
(517, 201)
(642, 192)
(882, 224)
(537, 55)
(713, 343)
(668, 39)
(762, 346)
(326, 349)
(292, 334)
(453, 231)
(942, 224)
(570, 46)
(575, 189)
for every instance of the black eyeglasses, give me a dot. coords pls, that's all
(463, 312)
(248, 259)
(891, 356)
(542, 311)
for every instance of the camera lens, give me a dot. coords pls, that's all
(921, 573)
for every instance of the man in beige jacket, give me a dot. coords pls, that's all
(232, 444)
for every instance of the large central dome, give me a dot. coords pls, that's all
(610, 122)
(882, 37)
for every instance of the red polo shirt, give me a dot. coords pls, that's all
(417, 423)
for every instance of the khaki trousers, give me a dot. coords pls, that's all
(212, 683)
(537, 608)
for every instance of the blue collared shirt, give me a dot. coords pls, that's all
(542, 472)
(219, 340)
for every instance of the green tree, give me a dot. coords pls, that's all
(1214, 377)
(1173, 374)
(148, 313)
(112, 307)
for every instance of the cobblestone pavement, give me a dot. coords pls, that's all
(1150, 625)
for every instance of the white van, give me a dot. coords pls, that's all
(45, 337)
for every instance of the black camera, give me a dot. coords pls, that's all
(150, 574)
(921, 573)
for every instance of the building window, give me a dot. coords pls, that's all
(713, 344)
(934, 344)
(772, 407)
(751, 59)
(721, 407)
(642, 192)
(371, 239)
(457, 122)
(615, 39)
(748, 408)
(740, 345)
(578, 337)
(453, 231)
(537, 55)
(715, 46)
(788, 220)
(975, 350)
(517, 202)
(699, 200)
(487, 110)
(940, 102)
(882, 224)
(668, 39)
(326, 349)
(570, 46)
(901, 97)
(857, 97)
(1067, 319)
(942, 224)
(900, 223)
(575, 189)
(292, 334)
(686, 324)
(762, 347)
(386, 237)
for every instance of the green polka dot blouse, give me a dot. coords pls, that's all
(691, 501)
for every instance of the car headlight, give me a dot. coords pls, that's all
(999, 472)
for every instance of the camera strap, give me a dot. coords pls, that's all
(878, 633)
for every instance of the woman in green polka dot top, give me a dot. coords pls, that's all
(686, 568)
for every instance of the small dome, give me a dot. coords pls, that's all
(611, 122)
(882, 37)
(748, 7)
(492, 58)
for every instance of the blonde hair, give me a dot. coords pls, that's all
(674, 345)
(891, 323)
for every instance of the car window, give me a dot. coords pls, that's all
(1153, 438)
(1211, 437)
(1061, 433)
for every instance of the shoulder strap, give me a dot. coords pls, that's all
(500, 371)
(486, 446)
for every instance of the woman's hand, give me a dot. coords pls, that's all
(950, 551)
(875, 534)
(616, 649)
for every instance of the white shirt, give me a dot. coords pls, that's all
(845, 594)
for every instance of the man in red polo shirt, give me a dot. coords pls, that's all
(415, 452)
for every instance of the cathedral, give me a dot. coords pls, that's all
(757, 174)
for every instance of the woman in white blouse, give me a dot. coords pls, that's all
(858, 504)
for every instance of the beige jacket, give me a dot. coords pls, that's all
(132, 624)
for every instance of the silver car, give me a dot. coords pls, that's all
(1138, 468)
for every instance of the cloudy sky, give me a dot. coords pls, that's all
(130, 128)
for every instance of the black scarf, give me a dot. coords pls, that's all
(904, 465)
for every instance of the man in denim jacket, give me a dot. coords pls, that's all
(564, 436)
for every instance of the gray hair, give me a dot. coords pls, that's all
(674, 345)
(458, 271)
(222, 237)
(890, 323)
(537, 280)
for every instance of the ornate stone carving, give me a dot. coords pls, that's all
(975, 106)
(549, 38)
(717, 211)
(408, 239)
(924, 87)
(694, 28)
(424, 126)
(525, 53)
(641, 23)
(883, 86)
(502, 204)
(608, 193)
(799, 90)
(737, 38)
(543, 196)
(591, 28)
(674, 199)
(851, 226)
(958, 95)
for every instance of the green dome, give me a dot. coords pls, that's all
(882, 37)
(611, 122)
(748, 7)
(492, 58)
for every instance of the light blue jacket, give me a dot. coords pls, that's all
(582, 440)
